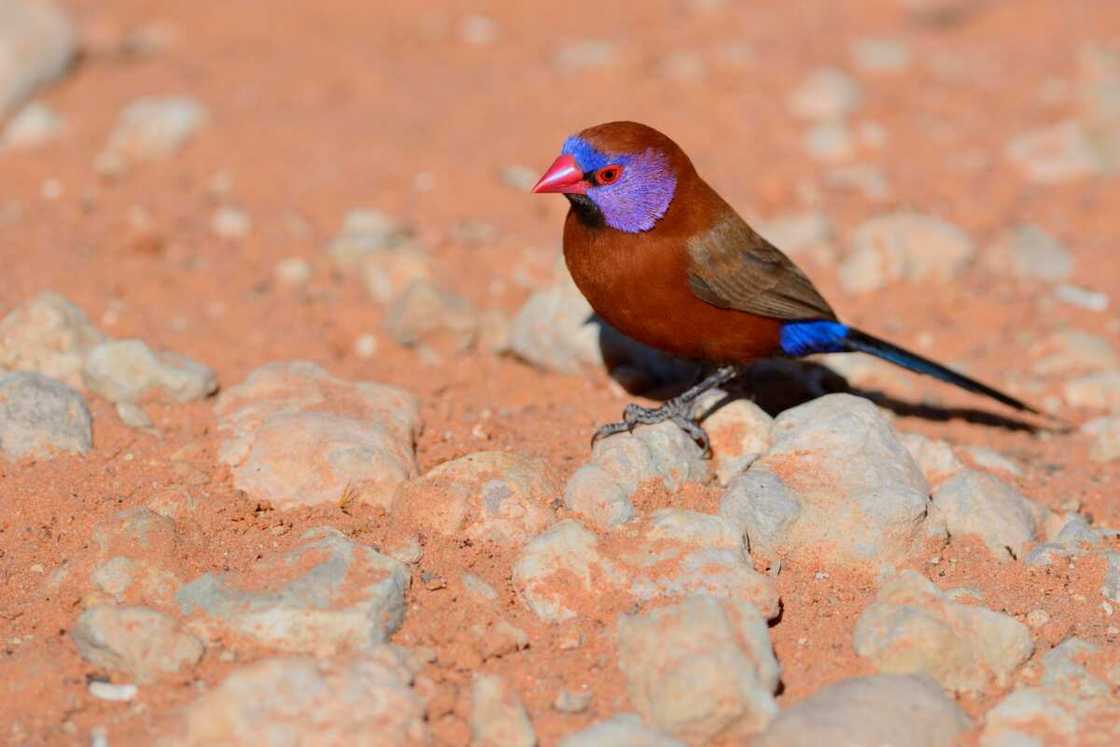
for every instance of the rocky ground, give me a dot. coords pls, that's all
(295, 397)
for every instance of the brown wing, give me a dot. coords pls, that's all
(732, 267)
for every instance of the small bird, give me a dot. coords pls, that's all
(664, 259)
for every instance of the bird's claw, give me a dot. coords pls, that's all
(676, 410)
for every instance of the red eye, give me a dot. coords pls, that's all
(608, 174)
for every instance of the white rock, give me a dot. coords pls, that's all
(836, 482)
(739, 431)
(230, 223)
(154, 128)
(801, 234)
(1071, 351)
(886, 709)
(934, 456)
(426, 314)
(1054, 154)
(128, 370)
(904, 246)
(912, 627)
(387, 273)
(1084, 298)
(1030, 252)
(115, 693)
(295, 435)
(497, 717)
(143, 643)
(1099, 391)
(365, 700)
(585, 54)
(1105, 433)
(992, 460)
(979, 504)
(349, 596)
(830, 141)
(701, 669)
(621, 730)
(37, 43)
(567, 549)
(364, 232)
(40, 417)
(827, 94)
(292, 271)
(34, 125)
(48, 335)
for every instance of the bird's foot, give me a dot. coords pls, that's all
(678, 410)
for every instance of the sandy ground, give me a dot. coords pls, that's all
(321, 107)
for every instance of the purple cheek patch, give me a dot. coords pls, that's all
(640, 196)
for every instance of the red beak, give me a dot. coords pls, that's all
(564, 176)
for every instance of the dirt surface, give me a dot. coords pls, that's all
(317, 108)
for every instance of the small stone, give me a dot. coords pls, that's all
(568, 701)
(1038, 618)
(1054, 154)
(701, 669)
(1083, 298)
(155, 128)
(568, 550)
(37, 44)
(976, 503)
(41, 417)
(934, 456)
(1105, 433)
(114, 693)
(388, 273)
(913, 627)
(292, 271)
(827, 94)
(621, 730)
(133, 415)
(128, 370)
(497, 717)
(1098, 391)
(885, 709)
(488, 496)
(349, 596)
(830, 141)
(115, 575)
(425, 314)
(364, 700)
(586, 54)
(143, 643)
(837, 477)
(295, 435)
(34, 125)
(1029, 252)
(479, 588)
(364, 232)
(904, 246)
(48, 335)
(365, 346)
(880, 55)
(230, 223)
(1072, 351)
(478, 30)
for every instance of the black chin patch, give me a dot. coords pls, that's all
(586, 210)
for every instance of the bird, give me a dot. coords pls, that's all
(664, 259)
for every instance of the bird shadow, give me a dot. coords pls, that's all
(774, 384)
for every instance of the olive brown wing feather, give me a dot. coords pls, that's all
(733, 267)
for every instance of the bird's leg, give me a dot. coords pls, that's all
(678, 409)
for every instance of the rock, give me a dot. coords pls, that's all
(601, 490)
(1084, 298)
(152, 128)
(836, 482)
(497, 717)
(904, 246)
(111, 692)
(143, 643)
(827, 94)
(830, 141)
(621, 730)
(292, 272)
(1031, 253)
(585, 54)
(34, 125)
(48, 335)
(1075, 538)
(1073, 351)
(426, 315)
(701, 669)
(37, 44)
(556, 331)
(1054, 154)
(40, 417)
(739, 431)
(1105, 433)
(295, 435)
(365, 232)
(489, 496)
(912, 627)
(935, 457)
(1069, 705)
(992, 460)
(387, 273)
(682, 65)
(880, 55)
(1098, 391)
(885, 709)
(976, 503)
(128, 371)
(347, 596)
(365, 700)
(567, 549)
(230, 223)
(568, 701)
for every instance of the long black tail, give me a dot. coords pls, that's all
(858, 341)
